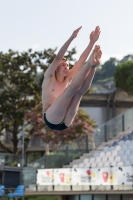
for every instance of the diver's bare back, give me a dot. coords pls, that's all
(51, 89)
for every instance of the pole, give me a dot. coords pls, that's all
(22, 147)
(87, 143)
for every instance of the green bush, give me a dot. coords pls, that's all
(41, 197)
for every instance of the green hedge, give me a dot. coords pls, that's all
(41, 198)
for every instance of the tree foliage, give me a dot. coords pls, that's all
(107, 70)
(19, 90)
(126, 58)
(124, 76)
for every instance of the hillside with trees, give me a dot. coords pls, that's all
(104, 77)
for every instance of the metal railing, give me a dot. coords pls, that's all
(64, 154)
(111, 128)
(10, 160)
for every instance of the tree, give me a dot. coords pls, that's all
(19, 90)
(82, 125)
(124, 76)
(107, 69)
(127, 58)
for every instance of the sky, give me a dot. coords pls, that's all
(43, 24)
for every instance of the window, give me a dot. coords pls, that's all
(86, 197)
(127, 196)
(73, 197)
(100, 197)
(114, 197)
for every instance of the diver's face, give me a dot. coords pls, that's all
(63, 68)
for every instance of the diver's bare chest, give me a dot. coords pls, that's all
(58, 88)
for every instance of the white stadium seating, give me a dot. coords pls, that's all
(114, 153)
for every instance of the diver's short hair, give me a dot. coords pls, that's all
(64, 58)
